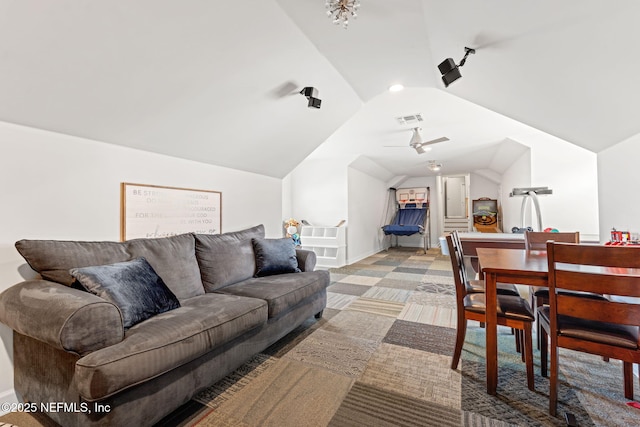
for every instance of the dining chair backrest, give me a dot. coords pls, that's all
(537, 240)
(457, 265)
(458, 245)
(611, 270)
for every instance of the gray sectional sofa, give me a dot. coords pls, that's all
(213, 301)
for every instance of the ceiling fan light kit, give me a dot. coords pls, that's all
(433, 166)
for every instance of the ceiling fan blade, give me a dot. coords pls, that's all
(435, 141)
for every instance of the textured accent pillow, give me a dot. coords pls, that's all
(133, 286)
(275, 256)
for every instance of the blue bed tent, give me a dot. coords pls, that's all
(412, 214)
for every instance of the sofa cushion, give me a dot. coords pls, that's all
(53, 259)
(166, 341)
(132, 286)
(282, 291)
(226, 258)
(275, 256)
(173, 258)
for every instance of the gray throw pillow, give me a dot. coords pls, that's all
(133, 286)
(275, 256)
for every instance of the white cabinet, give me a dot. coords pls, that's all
(329, 244)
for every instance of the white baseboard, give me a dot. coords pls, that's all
(360, 257)
(8, 396)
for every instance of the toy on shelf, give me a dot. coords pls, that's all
(291, 228)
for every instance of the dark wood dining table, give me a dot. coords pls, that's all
(519, 266)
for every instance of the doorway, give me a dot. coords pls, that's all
(455, 196)
(453, 199)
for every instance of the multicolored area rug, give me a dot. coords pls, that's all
(380, 356)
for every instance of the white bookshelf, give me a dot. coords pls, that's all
(328, 243)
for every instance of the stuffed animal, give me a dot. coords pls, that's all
(291, 230)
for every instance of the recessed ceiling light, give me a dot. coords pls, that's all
(396, 88)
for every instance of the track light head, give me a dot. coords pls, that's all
(311, 93)
(450, 71)
(314, 102)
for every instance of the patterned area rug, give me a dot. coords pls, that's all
(380, 356)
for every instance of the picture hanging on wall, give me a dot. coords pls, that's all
(158, 211)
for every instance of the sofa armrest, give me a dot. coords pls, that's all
(65, 318)
(306, 259)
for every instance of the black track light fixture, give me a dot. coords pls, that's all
(450, 71)
(311, 93)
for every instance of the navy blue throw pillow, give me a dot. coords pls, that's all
(275, 256)
(133, 286)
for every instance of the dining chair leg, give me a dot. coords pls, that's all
(528, 350)
(518, 341)
(461, 331)
(553, 379)
(538, 327)
(544, 345)
(533, 302)
(627, 370)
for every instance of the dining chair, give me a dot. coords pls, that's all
(513, 312)
(477, 285)
(537, 240)
(607, 327)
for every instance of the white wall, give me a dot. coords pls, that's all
(59, 187)
(319, 191)
(570, 171)
(483, 187)
(367, 198)
(618, 175)
(518, 175)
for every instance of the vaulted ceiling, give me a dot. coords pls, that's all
(218, 82)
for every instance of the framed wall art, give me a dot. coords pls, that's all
(158, 211)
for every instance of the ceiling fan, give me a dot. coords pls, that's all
(417, 144)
